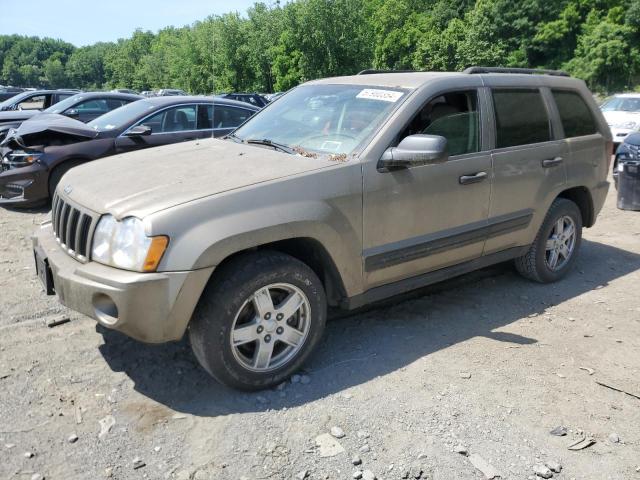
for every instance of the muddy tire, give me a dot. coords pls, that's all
(258, 320)
(554, 251)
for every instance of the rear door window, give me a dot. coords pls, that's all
(576, 116)
(230, 117)
(521, 117)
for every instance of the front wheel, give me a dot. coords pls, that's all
(258, 320)
(554, 250)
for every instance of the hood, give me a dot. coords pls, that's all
(617, 117)
(146, 181)
(17, 115)
(46, 129)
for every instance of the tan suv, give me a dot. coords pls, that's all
(343, 192)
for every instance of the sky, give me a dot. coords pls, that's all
(89, 21)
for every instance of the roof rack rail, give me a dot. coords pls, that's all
(527, 71)
(372, 71)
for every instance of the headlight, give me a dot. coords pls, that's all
(124, 244)
(19, 158)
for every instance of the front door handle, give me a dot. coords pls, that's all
(475, 178)
(552, 162)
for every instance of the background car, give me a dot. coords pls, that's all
(169, 92)
(622, 113)
(125, 90)
(81, 106)
(250, 98)
(628, 150)
(8, 92)
(42, 150)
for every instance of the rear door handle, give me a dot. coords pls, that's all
(552, 162)
(475, 178)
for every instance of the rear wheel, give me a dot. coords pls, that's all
(258, 320)
(554, 250)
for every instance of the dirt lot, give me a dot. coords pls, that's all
(489, 362)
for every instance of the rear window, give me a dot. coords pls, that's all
(521, 117)
(576, 117)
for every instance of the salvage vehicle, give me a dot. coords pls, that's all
(622, 113)
(628, 151)
(81, 106)
(254, 99)
(43, 149)
(344, 192)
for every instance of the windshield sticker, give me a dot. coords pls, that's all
(383, 95)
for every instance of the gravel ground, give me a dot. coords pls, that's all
(486, 365)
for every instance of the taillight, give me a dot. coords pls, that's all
(608, 153)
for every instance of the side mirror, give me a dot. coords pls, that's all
(414, 151)
(138, 131)
(72, 112)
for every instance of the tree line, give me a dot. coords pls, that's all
(273, 47)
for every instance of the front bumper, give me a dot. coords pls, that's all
(24, 186)
(150, 307)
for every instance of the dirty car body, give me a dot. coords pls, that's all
(35, 155)
(346, 191)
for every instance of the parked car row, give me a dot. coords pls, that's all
(36, 155)
(342, 192)
(81, 106)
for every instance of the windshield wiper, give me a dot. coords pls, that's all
(234, 137)
(270, 143)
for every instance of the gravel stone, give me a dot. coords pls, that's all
(337, 432)
(356, 460)
(461, 449)
(302, 475)
(542, 471)
(365, 448)
(614, 438)
(554, 467)
(368, 475)
(138, 463)
(357, 474)
(73, 438)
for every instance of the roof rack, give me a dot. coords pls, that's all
(527, 71)
(372, 71)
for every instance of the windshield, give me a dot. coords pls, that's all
(621, 104)
(330, 119)
(121, 117)
(65, 104)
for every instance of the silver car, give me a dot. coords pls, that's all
(344, 192)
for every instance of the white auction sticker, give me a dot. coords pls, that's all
(384, 95)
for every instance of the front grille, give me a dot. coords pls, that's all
(72, 227)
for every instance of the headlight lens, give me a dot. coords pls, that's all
(124, 244)
(19, 158)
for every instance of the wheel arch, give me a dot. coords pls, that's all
(309, 251)
(582, 198)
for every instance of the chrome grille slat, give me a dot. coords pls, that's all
(72, 227)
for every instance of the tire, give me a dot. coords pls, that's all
(537, 263)
(58, 172)
(227, 310)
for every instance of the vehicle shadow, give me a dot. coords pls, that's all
(374, 341)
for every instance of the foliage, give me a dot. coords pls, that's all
(276, 46)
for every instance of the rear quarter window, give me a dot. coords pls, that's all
(577, 119)
(521, 117)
